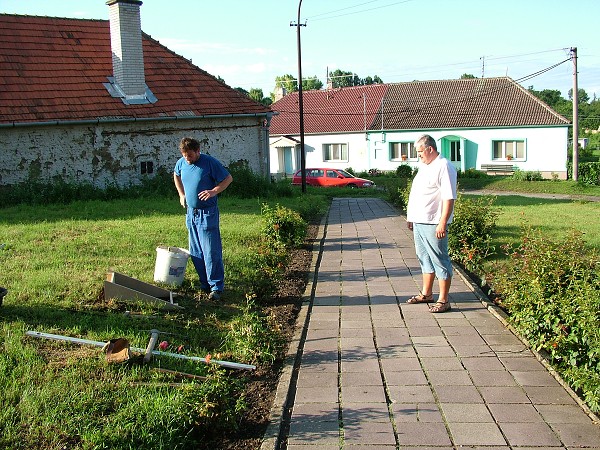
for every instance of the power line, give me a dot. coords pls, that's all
(358, 12)
(412, 113)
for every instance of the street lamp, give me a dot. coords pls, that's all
(300, 106)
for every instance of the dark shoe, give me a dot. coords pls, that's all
(215, 295)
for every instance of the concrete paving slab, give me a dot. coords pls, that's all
(422, 434)
(530, 434)
(514, 413)
(353, 413)
(466, 413)
(416, 412)
(470, 434)
(492, 378)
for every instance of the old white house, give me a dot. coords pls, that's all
(100, 101)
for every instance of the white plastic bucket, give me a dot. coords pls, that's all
(170, 264)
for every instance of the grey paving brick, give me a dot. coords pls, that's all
(482, 363)
(364, 394)
(353, 413)
(524, 363)
(449, 378)
(445, 363)
(416, 412)
(406, 378)
(318, 379)
(503, 394)
(315, 412)
(543, 395)
(529, 434)
(514, 412)
(578, 434)
(469, 434)
(458, 394)
(422, 434)
(369, 433)
(411, 394)
(492, 378)
(466, 413)
(563, 414)
(317, 394)
(535, 378)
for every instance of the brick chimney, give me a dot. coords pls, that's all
(127, 53)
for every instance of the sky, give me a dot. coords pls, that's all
(249, 43)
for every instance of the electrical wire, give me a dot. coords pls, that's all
(412, 113)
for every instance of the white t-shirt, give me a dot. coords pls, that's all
(433, 183)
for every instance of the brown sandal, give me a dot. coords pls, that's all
(421, 298)
(440, 307)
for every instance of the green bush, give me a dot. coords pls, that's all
(283, 226)
(472, 174)
(398, 190)
(588, 173)
(404, 171)
(552, 292)
(470, 233)
(527, 175)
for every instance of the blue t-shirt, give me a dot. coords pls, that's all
(202, 175)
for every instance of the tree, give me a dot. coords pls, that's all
(582, 96)
(467, 76)
(340, 78)
(312, 84)
(288, 82)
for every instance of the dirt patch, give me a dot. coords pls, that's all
(260, 391)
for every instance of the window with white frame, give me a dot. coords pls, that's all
(510, 149)
(402, 150)
(335, 152)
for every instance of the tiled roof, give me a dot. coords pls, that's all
(333, 111)
(463, 103)
(422, 105)
(53, 69)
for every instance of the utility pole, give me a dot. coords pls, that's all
(575, 116)
(482, 66)
(300, 106)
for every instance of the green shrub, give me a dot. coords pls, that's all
(470, 233)
(552, 292)
(252, 337)
(527, 175)
(473, 174)
(283, 226)
(263, 270)
(219, 402)
(404, 171)
(588, 173)
(398, 190)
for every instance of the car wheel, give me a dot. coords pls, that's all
(352, 186)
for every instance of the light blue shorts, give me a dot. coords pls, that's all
(431, 251)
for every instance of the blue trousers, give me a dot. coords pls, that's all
(432, 252)
(206, 248)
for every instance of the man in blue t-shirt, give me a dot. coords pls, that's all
(199, 178)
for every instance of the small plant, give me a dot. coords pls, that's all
(525, 175)
(283, 226)
(404, 171)
(470, 233)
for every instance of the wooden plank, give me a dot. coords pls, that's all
(123, 287)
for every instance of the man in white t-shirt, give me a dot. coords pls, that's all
(429, 212)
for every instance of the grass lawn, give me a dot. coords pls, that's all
(54, 260)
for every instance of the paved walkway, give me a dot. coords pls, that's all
(372, 372)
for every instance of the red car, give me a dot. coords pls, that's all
(331, 177)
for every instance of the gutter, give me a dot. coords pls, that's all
(268, 115)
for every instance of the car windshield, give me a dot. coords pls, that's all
(346, 174)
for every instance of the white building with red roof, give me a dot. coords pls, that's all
(489, 124)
